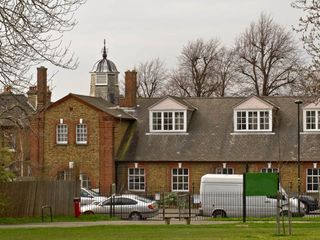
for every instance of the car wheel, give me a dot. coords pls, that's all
(135, 216)
(88, 213)
(219, 214)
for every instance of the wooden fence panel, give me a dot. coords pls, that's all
(18, 199)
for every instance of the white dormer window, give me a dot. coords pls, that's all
(167, 121)
(253, 120)
(169, 115)
(312, 120)
(254, 114)
(311, 117)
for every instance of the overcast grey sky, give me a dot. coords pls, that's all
(140, 30)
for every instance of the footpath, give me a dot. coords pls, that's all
(108, 223)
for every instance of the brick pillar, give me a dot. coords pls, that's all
(36, 141)
(107, 164)
(42, 88)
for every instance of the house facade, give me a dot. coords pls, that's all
(151, 145)
(178, 140)
(78, 137)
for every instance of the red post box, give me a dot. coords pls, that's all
(76, 205)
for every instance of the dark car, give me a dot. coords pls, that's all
(311, 203)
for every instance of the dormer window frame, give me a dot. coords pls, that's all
(316, 120)
(249, 120)
(165, 116)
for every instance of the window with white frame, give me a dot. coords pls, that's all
(64, 175)
(313, 175)
(62, 133)
(81, 132)
(312, 120)
(221, 170)
(269, 170)
(136, 179)
(253, 120)
(85, 181)
(168, 121)
(180, 179)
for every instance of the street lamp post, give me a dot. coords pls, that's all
(298, 102)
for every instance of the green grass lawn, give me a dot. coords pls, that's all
(155, 232)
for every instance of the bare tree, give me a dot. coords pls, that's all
(308, 83)
(309, 26)
(152, 77)
(267, 58)
(196, 73)
(31, 32)
(225, 72)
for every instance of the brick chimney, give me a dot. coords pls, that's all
(130, 99)
(32, 96)
(42, 88)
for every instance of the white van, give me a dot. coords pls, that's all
(221, 196)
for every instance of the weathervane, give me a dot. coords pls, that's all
(104, 53)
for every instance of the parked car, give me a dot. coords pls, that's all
(310, 203)
(88, 196)
(124, 206)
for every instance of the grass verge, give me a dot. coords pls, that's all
(172, 232)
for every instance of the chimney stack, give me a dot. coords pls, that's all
(42, 88)
(130, 99)
(32, 96)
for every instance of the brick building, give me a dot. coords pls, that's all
(167, 144)
(77, 136)
(177, 140)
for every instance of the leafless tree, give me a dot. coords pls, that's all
(225, 72)
(308, 83)
(31, 32)
(196, 73)
(152, 77)
(268, 58)
(309, 26)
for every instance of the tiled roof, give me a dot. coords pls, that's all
(104, 106)
(211, 135)
(14, 109)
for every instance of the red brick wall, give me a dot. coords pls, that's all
(107, 165)
(158, 174)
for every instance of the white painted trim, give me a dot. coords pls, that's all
(173, 121)
(235, 111)
(308, 132)
(253, 133)
(180, 175)
(144, 177)
(304, 120)
(166, 133)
